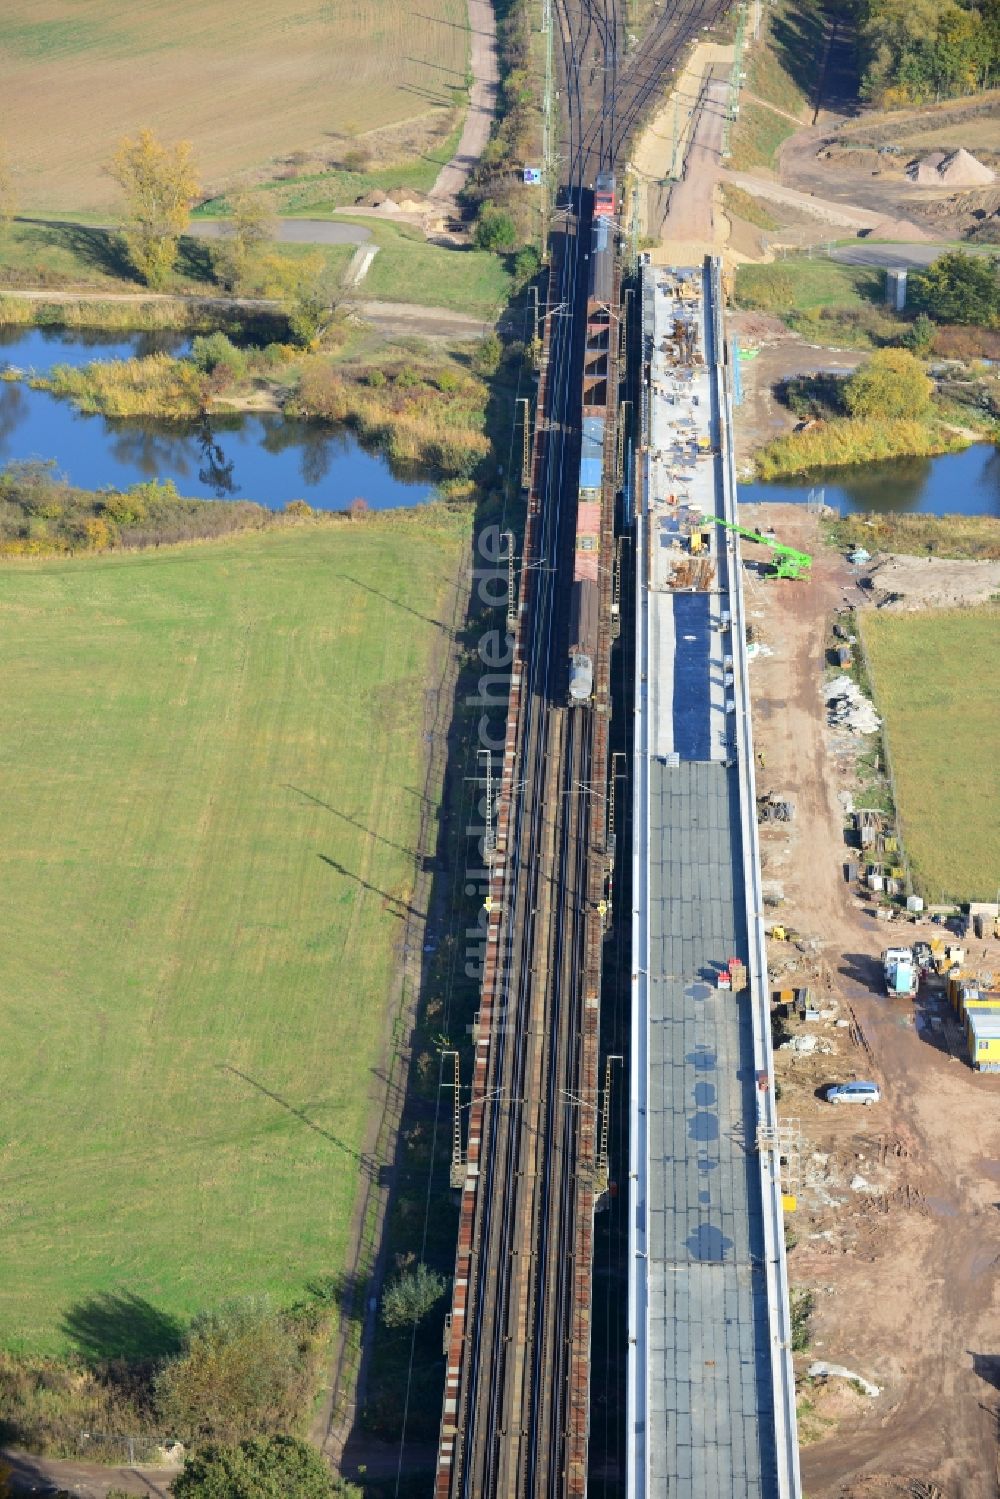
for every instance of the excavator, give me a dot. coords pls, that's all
(788, 563)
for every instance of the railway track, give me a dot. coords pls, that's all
(516, 1415)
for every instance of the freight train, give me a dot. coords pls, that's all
(602, 327)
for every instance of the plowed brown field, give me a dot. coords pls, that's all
(247, 84)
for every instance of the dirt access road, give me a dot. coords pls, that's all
(898, 1228)
(42, 1475)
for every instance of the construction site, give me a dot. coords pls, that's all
(893, 1240)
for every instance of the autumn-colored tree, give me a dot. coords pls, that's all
(160, 185)
(891, 385)
(8, 201)
(245, 1371)
(251, 226)
(309, 292)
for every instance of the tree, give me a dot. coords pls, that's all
(261, 1468)
(160, 185)
(409, 1297)
(959, 288)
(892, 384)
(495, 229)
(918, 49)
(8, 200)
(309, 291)
(252, 225)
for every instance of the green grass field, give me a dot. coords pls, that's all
(802, 283)
(211, 777)
(65, 256)
(408, 269)
(938, 692)
(75, 256)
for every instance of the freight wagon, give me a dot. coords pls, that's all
(586, 552)
(602, 327)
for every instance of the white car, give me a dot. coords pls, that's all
(866, 1093)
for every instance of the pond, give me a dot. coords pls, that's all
(258, 457)
(966, 483)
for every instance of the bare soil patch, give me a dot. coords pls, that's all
(864, 162)
(909, 583)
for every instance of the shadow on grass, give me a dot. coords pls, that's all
(120, 1325)
(95, 249)
(101, 249)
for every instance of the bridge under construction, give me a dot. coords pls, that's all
(710, 1401)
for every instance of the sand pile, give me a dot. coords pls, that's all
(950, 169)
(961, 169)
(925, 173)
(896, 229)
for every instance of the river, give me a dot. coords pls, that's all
(265, 458)
(966, 483)
(258, 457)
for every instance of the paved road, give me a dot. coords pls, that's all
(896, 257)
(293, 231)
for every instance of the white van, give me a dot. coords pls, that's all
(866, 1093)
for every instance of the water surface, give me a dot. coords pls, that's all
(258, 457)
(966, 483)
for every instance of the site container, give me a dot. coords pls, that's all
(982, 1027)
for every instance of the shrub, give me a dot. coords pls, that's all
(489, 352)
(261, 1468)
(527, 263)
(919, 337)
(246, 1370)
(802, 1310)
(892, 385)
(213, 351)
(495, 229)
(357, 160)
(126, 508)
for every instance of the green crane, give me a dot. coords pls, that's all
(788, 563)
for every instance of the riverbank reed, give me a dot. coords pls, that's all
(137, 314)
(157, 386)
(841, 444)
